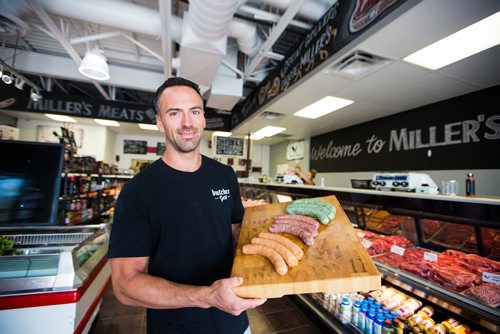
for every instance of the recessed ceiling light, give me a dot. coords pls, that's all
(322, 107)
(222, 133)
(148, 126)
(267, 131)
(464, 43)
(106, 122)
(61, 118)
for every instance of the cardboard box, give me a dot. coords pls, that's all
(8, 132)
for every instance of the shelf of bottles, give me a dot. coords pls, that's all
(88, 192)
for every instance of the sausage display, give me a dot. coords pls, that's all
(306, 237)
(302, 218)
(272, 255)
(290, 259)
(304, 226)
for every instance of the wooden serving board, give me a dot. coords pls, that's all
(336, 262)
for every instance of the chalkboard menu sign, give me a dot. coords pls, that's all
(229, 146)
(135, 146)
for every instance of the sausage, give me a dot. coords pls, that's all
(308, 210)
(304, 226)
(296, 250)
(290, 259)
(272, 255)
(302, 218)
(327, 206)
(307, 238)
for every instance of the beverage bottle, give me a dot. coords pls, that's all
(346, 311)
(362, 317)
(356, 308)
(370, 317)
(378, 323)
(470, 185)
(388, 327)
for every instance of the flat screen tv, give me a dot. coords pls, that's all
(231, 146)
(30, 178)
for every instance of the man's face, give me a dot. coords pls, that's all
(181, 118)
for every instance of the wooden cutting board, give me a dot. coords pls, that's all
(336, 262)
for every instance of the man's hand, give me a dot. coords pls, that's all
(223, 297)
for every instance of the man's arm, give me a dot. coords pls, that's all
(133, 286)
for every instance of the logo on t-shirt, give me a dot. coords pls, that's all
(221, 194)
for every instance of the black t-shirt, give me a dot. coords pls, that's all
(182, 222)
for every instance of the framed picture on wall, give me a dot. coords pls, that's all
(295, 151)
(135, 146)
(51, 134)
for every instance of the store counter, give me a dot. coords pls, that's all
(54, 281)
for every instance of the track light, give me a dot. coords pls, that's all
(19, 83)
(35, 95)
(94, 66)
(6, 78)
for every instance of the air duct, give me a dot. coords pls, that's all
(312, 10)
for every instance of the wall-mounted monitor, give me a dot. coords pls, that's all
(230, 146)
(30, 178)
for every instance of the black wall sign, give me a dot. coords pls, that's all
(135, 146)
(229, 146)
(340, 25)
(12, 98)
(460, 133)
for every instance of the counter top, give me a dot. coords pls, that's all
(440, 197)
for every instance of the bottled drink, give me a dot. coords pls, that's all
(362, 317)
(370, 317)
(378, 323)
(470, 185)
(356, 308)
(388, 327)
(346, 311)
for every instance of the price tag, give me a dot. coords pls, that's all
(431, 257)
(366, 243)
(361, 235)
(397, 250)
(491, 278)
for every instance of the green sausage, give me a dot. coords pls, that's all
(327, 206)
(308, 210)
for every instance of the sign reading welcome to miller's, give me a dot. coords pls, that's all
(122, 111)
(460, 133)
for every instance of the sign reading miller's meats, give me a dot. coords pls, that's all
(340, 25)
(460, 133)
(122, 111)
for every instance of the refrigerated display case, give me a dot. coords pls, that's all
(425, 220)
(54, 281)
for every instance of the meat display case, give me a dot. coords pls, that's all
(54, 281)
(476, 213)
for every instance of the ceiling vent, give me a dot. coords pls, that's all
(271, 115)
(358, 65)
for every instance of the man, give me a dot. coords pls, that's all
(171, 245)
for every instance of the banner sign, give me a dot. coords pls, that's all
(340, 25)
(460, 133)
(12, 98)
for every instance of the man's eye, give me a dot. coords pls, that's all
(196, 112)
(173, 113)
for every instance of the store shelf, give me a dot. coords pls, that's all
(470, 309)
(334, 325)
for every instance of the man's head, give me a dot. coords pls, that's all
(180, 114)
(171, 82)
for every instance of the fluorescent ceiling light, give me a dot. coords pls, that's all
(148, 126)
(61, 118)
(106, 122)
(267, 131)
(222, 133)
(322, 107)
(254, 137)
(462, 44)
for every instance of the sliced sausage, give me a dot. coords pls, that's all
(296, 250)
(290, 259)
(272, 255)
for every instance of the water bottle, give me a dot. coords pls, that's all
(470, 185)
(346, 311)
(370, 317)
(378, 323)
(356, 308)
(362, 317)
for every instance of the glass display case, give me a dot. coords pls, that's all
(465, 231)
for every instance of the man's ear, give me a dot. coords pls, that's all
(159, 124)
